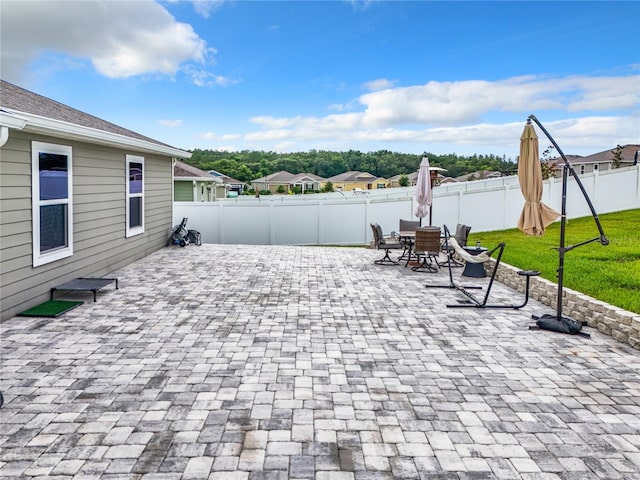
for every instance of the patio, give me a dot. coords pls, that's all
(277, 362)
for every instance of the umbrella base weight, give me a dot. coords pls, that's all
(560, 325)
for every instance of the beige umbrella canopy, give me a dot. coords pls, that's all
(535, 216)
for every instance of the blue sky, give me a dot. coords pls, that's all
(442, 77)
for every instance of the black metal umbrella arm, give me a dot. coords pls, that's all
(567, 169)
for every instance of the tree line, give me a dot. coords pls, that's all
(247, 165)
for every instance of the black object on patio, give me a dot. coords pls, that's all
(85, 284)
(558, 322)
(472, 301)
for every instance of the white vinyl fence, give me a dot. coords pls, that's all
(343, 218)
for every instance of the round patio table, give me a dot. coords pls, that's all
(476, 270)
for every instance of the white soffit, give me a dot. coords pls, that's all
(46, 126)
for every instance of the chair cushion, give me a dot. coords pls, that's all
(462, 233)
(380, 235)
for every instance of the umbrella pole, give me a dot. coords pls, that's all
(567, 169)
(563, 229)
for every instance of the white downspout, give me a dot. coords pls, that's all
(4, 135)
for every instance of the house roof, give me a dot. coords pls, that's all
(184, 171)
(571, 158)
(353, 176)
(628, 154)
(286, 177)
(412, 177)
(478, 175)
(25, 110)
(226, 179)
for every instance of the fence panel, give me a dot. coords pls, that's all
(343, 218)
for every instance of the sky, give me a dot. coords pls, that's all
(410, 77)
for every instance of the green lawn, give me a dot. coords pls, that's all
(609, 273)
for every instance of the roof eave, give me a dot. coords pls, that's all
(198, 179)
(46, 126)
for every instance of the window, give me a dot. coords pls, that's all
(52, 207)
(135, 195)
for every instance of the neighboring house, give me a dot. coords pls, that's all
(411, 177)
(351, 180)
(478, 175)
(81, 197)
(446, 180)
(190, 184)
(288, 182)
(232, 186)
(598, 161)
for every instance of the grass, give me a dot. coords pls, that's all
(609, 273)
(52, 308)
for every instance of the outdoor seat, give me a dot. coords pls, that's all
(407, 243)
(385, 243)
(85, 284)
(427, 249)
(461, 236)
(471, 300)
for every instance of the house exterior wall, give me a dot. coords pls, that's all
(205, 191)
(182, 191)
(582, 168)
(366, 185)
(99, 242)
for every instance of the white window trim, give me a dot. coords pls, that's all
(42, 258)
(131, 232)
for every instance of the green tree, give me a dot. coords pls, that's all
(403, 180)
(248, 165)
(617, 156)
(546, 164)
(328, 187)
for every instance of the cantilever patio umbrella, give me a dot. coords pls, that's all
(535, 216)
(424, 196)
(558, 322)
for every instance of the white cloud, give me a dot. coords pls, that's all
(171, 123)
(203, 78)
(119, 38)
(215, 136)
(581, 136)
(585, 113)
(379, 84)
(205, 8)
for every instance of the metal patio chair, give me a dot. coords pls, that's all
(385, 243)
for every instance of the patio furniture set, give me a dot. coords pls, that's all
(423, 247)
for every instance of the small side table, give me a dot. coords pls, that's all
(474, 269)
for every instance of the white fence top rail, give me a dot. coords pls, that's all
(342, 218)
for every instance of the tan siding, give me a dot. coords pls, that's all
(100, 244)
(15, 246)
(14, 227)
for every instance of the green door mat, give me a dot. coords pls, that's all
(52, 308)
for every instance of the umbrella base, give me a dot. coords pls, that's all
(559, 324)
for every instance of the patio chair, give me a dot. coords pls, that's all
(461, 236)
(482, 257)
(407, 243)
(385, 243)
(427, 249)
